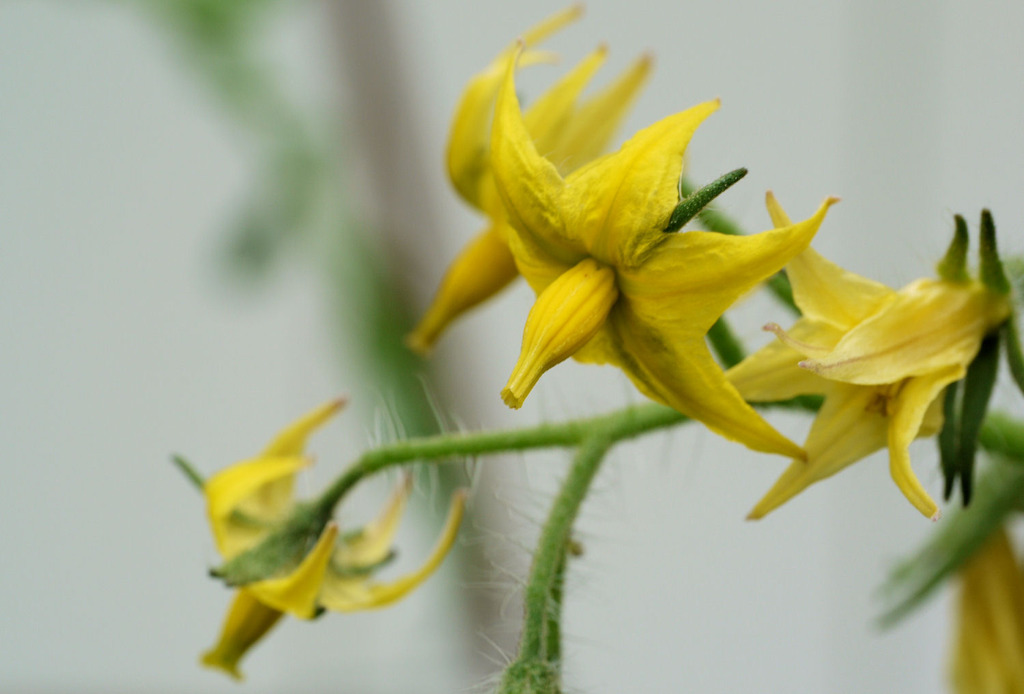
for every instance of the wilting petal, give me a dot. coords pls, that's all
(297, 592)
(347, 594)
(292, 440)
(845, 430)
(621, 204)
(822, 290)
(592, 126)
(930, 324)
(914, 400)
(373, 544)
(988, 654)
(771, 373)
(481, 270)
(243, 500)
(248, 620)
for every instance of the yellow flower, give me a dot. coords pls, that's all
(880, 357)
(571, 135)
(988, 653)
(248, 500)
(613, 287)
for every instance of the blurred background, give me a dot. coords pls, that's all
(217, 214)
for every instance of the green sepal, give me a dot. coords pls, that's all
(690, 205)
(978, 384)
(364, 569)
(1014, 358)
(948, 438)
(992, 274)
(953, 266)
(189, 471)
(960, 534)
(282, 550)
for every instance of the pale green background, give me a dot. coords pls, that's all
(121, 341)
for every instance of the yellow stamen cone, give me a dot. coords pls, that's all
(247, 622)
(567, 314)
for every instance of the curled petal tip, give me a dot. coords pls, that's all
(832, 200)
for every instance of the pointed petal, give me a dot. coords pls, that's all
(929, 325)
(693, 277)
(469, 140)
(547, 119)
(913, 401)
(373, 544)
(344, 594)
(297, 592)
(593, 125)
(772, 373)
(620, 204)
(248, 620)
(292, 440)
(845, 430)
(529, 184)
(260, 490)
(677, 369)
(481, 270)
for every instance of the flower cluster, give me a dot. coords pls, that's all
(248, 501)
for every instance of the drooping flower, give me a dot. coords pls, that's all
(247, 501)
(613, 287)
(988, 651)
(880, 357)
(571, 134)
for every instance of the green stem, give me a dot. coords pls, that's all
(625, 423)
(727, 347)
(554, 540)
(1004, 435)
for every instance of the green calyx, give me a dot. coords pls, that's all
(992, 274)
(953, 266)
(284, 548)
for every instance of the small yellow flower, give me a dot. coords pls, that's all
(248, 500)
(988, 653)
(570, 134)
(880, 357)
(613, 287)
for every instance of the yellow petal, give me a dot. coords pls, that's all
(822, 290)
(469, 141)
(480, 271)
(929, 325)
(292, 440)
(682, 374)
(990, 637)
(529, 184)
(347, 594)
(297, 592)
(259, 490)
(592, 126)
(689, 280)
(248, 620)
(846, 429)
(373, 544)
(911, 405)
(566, 315)
(620, 204)
(771, 373)
(547, 119)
